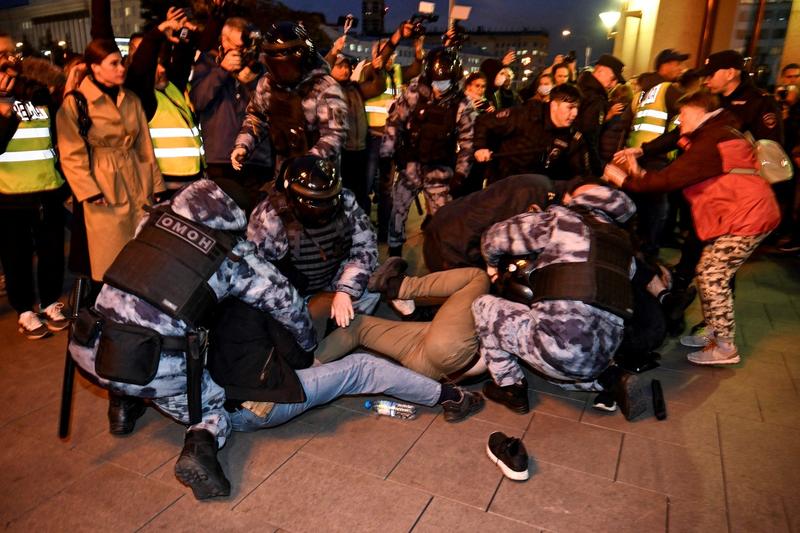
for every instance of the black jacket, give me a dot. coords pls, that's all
(527, 142)
(253, 357)
(591, 117)
(453, 236)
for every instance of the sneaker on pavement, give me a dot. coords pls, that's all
(604, 401)
(515, 397)
(715, 353)
(790, 247)
(509, 454)
(701, 338)
(31, 326)
(470, 403)
(54, 317)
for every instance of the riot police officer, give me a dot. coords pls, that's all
(429, 132)
(297, 104)
(320, 238)
(535, 138)
(147, 339)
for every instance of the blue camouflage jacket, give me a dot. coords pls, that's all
(404, 105)
(267, 231)
(253, 279)
(324, 109)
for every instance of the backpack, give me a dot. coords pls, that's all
(771, 160)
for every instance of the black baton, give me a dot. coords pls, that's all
(194, 376)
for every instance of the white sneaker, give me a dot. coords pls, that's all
(31, 326)
(702, 337)
(715, 354)
(54, 318)
(403, 307)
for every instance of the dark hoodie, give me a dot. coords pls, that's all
(591, 116)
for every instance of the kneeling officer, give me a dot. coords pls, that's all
(146, 339)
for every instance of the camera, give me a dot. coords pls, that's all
(10, 61)
(570, 57)
(459, 37)
(186, 36)
(418, 20)
(782, 93)
(252, 45)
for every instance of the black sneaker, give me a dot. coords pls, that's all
(509, 454)
(515, 397)
(198, 467)
(470, 403)
(604, 401)
(388, 277)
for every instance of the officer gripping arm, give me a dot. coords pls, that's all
(498, 125)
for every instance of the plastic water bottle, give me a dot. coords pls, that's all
(393, 409)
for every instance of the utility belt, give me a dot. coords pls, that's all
(128, 353)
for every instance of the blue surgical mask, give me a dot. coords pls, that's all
(442, 85)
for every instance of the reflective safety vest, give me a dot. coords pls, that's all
(651, 116)
(176, 138)
(378, 108)
(29, 163)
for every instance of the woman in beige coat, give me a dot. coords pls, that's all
(117, 175)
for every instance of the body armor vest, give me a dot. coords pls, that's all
(168, 265)
(431, 136)
(603, 281)
(316, 253)
(289, 131)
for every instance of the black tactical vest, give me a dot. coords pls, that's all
(169, 263)
(289, 131)
(316, 253)
(431, 132)
(603, 281)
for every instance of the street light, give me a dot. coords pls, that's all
(610, 19)
(62, 44)
(566, 33)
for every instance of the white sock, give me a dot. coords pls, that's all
(404, 307)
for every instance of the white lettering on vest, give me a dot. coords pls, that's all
(190, 234)
(651, 95)
(26, 111)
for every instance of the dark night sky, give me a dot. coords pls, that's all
(580, 16)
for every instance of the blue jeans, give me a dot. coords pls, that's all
(358, 373)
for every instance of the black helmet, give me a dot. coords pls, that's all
(442, 64)
(313, 190)
(289, 52)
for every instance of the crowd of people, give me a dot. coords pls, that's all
(222, 181)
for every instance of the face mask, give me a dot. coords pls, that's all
(544, 90)
(442, 85)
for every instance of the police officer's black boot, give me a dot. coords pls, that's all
(198, 467)
(515, 396)
(123, 411)
(388, 277)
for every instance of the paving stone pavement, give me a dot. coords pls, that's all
(726, 459)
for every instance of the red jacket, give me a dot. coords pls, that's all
(722, 203)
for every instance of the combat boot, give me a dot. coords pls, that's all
(515, 396)
(198, 467)
(123, 412)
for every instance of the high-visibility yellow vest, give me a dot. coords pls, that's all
(29, 162)
(651, 116)
(176, 137)
(378, 108)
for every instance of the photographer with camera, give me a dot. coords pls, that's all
(31, 195)
(297, 105)
(158, 74)
(222, 84)
(429, 132)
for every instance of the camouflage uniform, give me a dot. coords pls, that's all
(253, 280)
(267, 230)
(434, 180)
(569, 342)
(324, 109)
